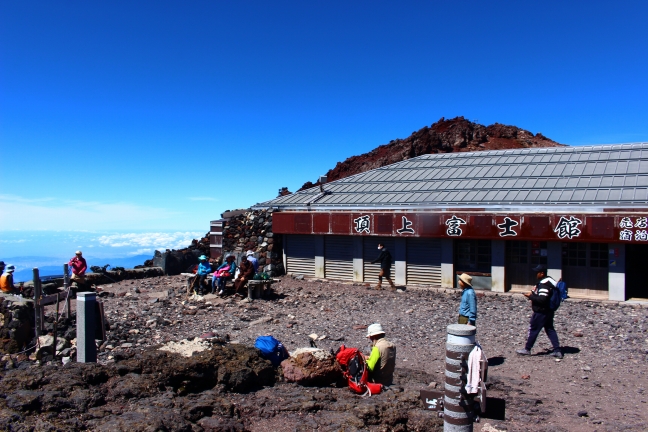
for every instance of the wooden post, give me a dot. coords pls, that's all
(66, 286)
(37, 308)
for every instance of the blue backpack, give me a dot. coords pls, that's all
(558, 294)
(271, 349)
(562, 287)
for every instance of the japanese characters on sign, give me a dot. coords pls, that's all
(406, 227)
(506, 227)
(454, 226)
(568, 228)
(363, 224)
(627, 226)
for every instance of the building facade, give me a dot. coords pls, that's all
(581, 211)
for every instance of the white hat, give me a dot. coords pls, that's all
(248, 253)
(10, 268)
(375, 329)
(78, 253)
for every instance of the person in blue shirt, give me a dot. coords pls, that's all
(204, 268)
(468, 306)
(254, 261)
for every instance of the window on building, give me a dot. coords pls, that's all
(538, 253)
(585, 255)
(575, 254)
(473, 255)
(518, 252)
(598, 255)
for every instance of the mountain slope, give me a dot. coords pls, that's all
(444, 136)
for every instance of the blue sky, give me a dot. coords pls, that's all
(160, 115)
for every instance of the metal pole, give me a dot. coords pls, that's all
(458, 408)
(86, 321)
(37, 308)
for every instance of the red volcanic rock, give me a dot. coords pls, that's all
(444, 136)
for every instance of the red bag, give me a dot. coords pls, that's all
(354, 367)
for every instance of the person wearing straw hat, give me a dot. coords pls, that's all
(382, 360)
(6, 280)
(468, 305)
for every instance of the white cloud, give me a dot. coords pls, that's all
(148, 242)
(17, 213)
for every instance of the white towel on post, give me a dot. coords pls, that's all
(474, 376)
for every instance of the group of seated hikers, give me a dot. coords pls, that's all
(226, 272)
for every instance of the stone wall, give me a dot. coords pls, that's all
(16, 325)
(252, 230)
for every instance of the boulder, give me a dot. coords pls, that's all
(312, 367)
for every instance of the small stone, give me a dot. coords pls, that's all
(399, 290)
(65, 360)
(433, 384)
(409, 311)
(578, 334)
(153, 300)
(137, 290)
(313, 336)
(526, 377)
(587, 368)
(582, 414)
(126, 345)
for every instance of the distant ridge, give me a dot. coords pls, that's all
(444, 136)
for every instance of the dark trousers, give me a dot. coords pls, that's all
(538, 322)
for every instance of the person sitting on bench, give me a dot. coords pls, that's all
(223, 273)
(246, 273)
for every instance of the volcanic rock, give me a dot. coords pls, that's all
(312, 368)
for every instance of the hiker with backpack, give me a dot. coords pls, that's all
(545, 300)
(382, 360)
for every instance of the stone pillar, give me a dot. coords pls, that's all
(86, 321)
(616, 272)
(447, 263)
(458, 409)
(319, 256)
(400, 261)
(358, 260)
(554, 259)
(498, 266)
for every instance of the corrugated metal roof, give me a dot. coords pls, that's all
(598, 176)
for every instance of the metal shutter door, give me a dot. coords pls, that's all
(300, 254)
(371, 252)
(423, 261)
(338, 257)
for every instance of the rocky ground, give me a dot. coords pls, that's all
(599, 385)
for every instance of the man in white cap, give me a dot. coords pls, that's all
(6, 280)
(252, 260)
(382, 361)
(468, 305)
(79, 266)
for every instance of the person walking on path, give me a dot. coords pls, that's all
(79, 266)
(6, 280)
(468, 305)
(382, 360)
(385, 260)
(543, 316)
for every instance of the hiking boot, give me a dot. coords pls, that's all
(557, 353)
(379, 286)
(523, 351)
(221, 292)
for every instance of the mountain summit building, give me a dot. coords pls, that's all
(581, 211)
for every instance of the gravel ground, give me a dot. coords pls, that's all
(599, 385)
